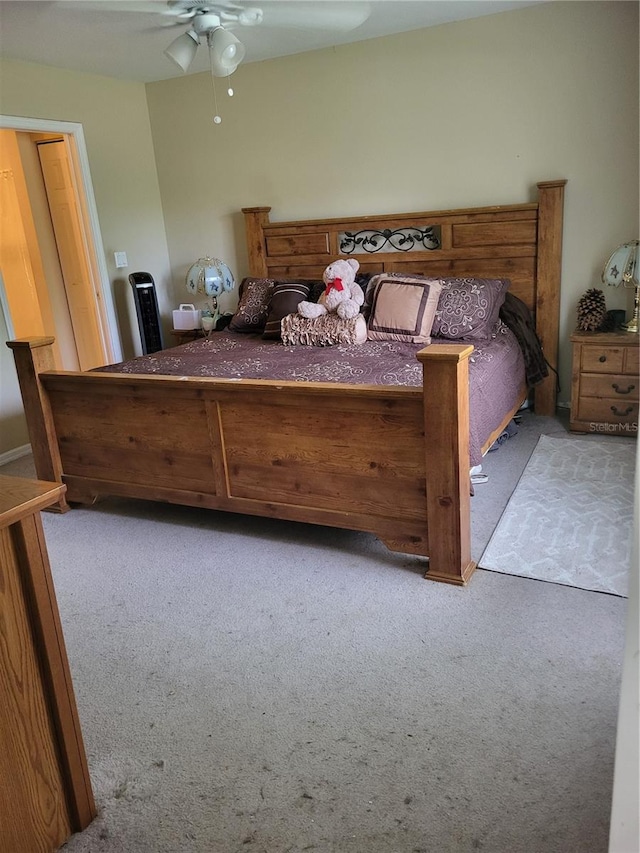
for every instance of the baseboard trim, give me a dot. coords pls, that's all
(16, 453)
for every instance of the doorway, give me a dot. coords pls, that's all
(54, 277)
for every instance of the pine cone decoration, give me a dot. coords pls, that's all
(592, 310)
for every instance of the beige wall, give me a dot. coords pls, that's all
(117, 133)
(468, 113)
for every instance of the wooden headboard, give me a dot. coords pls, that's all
(521, 242)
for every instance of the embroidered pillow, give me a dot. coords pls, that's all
(253, 305)
(286, 297)
(402, 308)
(468, 308)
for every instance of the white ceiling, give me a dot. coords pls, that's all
(126, 39)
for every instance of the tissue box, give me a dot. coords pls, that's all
(186, 317)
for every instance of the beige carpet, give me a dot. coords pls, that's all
(247, 685)
(569, 520)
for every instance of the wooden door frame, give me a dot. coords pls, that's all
(89, 213)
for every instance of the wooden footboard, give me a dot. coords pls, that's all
(393, 461)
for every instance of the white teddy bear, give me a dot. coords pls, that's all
(341, 296)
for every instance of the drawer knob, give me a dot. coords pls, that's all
(626, 412)
(602, 358)
(619, 390)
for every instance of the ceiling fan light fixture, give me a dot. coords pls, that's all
(225, 50)
(183, 49)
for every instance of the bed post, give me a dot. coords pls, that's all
(32, 356)
(255, 218)
(446, 427)
(549, 270)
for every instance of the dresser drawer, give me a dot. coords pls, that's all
(602, 359)
(608, 411)
(614, 385)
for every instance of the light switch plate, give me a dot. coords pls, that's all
(121, 259)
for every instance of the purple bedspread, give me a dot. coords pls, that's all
(496, 369)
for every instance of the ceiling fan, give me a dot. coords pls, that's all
(213, 22)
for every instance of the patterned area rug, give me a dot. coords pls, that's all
(570, 519)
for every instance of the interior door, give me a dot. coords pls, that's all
(17, 270)
(63, 206)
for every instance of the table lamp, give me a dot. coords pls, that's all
(210, 276)
(622, 269)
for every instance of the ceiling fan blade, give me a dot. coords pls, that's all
(338, 16)
(157, 7)
(329, 15)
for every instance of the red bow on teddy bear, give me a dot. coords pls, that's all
(336, 284)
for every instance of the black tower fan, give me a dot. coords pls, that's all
(144, 294)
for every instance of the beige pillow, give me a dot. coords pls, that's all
(403, 308)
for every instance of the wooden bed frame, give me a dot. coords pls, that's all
(259, 447)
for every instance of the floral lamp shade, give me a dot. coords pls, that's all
(622, 269)
(209, 276)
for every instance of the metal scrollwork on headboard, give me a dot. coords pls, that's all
(369, 241)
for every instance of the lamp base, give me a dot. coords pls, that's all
(632, 325)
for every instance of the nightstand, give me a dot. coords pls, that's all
(185, 336)
(604, 383)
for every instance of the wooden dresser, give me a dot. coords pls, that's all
(604, 383)
(45, 790)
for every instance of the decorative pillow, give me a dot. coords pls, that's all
(253, 305)
(468, 308)
(364, 280)
(402, 308)
(286, 297)
(327, 330)
(316, 289)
